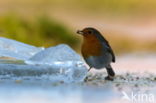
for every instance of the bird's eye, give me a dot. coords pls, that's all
(89, 32)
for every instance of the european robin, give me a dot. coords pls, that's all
(96, 51)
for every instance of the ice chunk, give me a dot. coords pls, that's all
(64, 59)
(60, 53)
(59, 63)
(15, 49)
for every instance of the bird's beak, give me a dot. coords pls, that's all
(79, 32)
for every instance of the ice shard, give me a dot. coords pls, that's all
(17, 50)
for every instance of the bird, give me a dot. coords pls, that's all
(96, 51)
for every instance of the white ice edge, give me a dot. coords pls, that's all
(56, 63)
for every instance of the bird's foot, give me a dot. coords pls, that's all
(111, 78)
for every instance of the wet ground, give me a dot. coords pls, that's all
(135, 82)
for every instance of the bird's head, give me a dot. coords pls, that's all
(89, 31)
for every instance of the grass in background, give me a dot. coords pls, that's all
(46, 31)
(41, 31)
(112, 7)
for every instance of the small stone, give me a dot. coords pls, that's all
(18, 81)
(137, 78)
(117, 85)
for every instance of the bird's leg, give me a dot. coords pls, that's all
(86, 79)
(89, 69)
(110, 72)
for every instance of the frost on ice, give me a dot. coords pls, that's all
(59, 63)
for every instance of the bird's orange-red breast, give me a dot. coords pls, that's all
(91, 46)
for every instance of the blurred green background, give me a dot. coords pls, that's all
(129, 25)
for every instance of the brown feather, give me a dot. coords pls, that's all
(91, 46)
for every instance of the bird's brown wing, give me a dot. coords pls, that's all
(109, 49)
(105, 43)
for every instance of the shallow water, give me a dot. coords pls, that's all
(135, 76)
